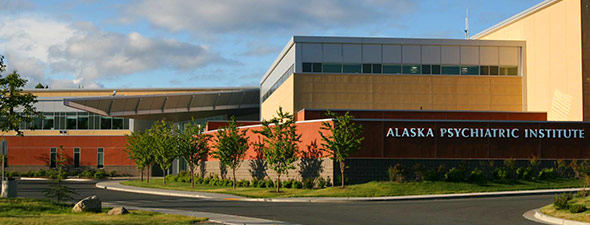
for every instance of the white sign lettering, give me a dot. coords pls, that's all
(469, 132)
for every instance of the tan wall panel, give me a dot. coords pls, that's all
(553, 75)
(282, 97)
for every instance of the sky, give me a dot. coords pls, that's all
(206, 43)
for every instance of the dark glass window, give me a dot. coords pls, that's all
(100, 158)
(376, 68)
(94, 122)
(37, 123)
(83, 120)
(351, 68)
(450, 70)
(52, 157)
(367, 68)
(125, 123)
(317, 68)
(60, 120)
(425, 69)
(332, 68)
(76, 157)
(71, 120)
(493, 70)
(435, 69)
(105, 123)
(484, 70)
(469, 70)
(508, 70)
(307, 67)
(393, 69)
(117, 123)
(411, 69)
(48, 121)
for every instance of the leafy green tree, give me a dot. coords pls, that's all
(12, 98)
(138, 148)
(192, 146)
(345, 138)
(39, 86)
(231, 147)
(58, 190)
(162, 139)
(280, 143)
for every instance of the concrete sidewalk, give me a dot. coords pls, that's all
(116, 186)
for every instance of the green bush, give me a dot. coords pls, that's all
(206, 180)
(431, 175)
(113, 173)
(477, 175)
(52, 174)
(419, 172)
(88, 173)
(547, 173)
(39, 173)
(296, 184)
(260, 183)
(286, 183)
(526, 173)
(100, 174)
(12, 174)
(501, 173)
(244, 183)
(396, 173)
(198, 180)
(455, 175)
(322, 183)
(577, 208)
(308, 183)
(170, 177)
(561, 201)
(268, 183)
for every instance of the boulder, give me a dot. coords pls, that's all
(118, 211)
(88, 204)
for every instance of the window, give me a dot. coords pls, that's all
(426, 69)
(412, 69)
(100, 158)
(392, 69)
(71, 120)
(376, 68)
(450, 70)
(52, 157)
(469, 70)
(76, 157)
(117, 123)
(37, 123)
(105, 123)
(494, 70)
(367, 68)
(484, 70)
(83, 120)
(332, 68)
(316, 68)
(306, 67)
(60, 120)
(508, 70)
(351, 68)
(48, 121)
(435, 69)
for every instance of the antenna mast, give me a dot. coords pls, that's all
(467, 23)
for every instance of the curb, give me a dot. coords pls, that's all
(116, 186)
(44, 179)
(537, 216)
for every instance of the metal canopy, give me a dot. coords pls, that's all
(171, 106)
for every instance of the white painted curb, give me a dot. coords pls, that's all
(554, 220)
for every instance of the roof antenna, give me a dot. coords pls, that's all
(467, 23)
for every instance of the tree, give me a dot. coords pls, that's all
(13, 98)
(344, 140)
(163, 139)
(40, 86)
(138, 148)
(280, 143)
(231, 147)
(192, 146)
(58, 189)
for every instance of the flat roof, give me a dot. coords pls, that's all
(138, 89)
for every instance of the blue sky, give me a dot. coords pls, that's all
(206, 43)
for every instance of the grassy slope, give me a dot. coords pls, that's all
(34, 211)
(565, 214)
(371, 189)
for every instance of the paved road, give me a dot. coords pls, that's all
(496, 210)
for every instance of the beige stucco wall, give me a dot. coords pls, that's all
(400, 92)
(553, 75)
(282, 97)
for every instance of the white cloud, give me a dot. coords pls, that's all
(262, 15)
(37, 47)
(16, 5)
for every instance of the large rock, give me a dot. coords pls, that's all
(89, 204)
(118, 211)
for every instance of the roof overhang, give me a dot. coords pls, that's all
(179, 106)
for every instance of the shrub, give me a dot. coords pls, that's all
(560, 167)
(12, 174)
(547, 173)
(88, 173)
(501, 173)
(244, 183)
(100, 174)
(577, 208)
(561, 201)
(431, 175)
(268, 183)
(396, 173)
(477, 176)
(455, 175)
(261, 184)
(39, 173)
(170, 177)
(296, 184)
(52, 174)
(322, 182)
(419, 171)
(526, 173)
(113, 173)
(287, 183)
(308, 183)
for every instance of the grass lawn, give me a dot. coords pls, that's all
(565, 214)
(371, 189)
(36, 211)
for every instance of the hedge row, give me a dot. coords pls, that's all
(266, 183)
(55, 174)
